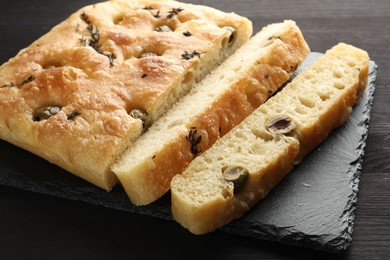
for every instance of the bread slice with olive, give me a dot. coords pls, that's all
(222, 100)
(82, 93)
(244, 165)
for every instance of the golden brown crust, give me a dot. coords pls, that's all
(264, 65)
(220, 211)
(92, 67)
(315, 102)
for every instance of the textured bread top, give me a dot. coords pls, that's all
(222, 100)
(245, 164)
(81, 93)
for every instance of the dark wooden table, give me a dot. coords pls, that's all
(35, 226)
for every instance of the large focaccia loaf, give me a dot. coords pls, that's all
(87, 89)
(245, 164)
(222, 100)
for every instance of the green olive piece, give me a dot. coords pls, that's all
(233, 33)
(164, 28)
(237, 175)
(280, 124)
(44, 113)
(143, 116)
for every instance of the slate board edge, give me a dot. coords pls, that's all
(288, 236)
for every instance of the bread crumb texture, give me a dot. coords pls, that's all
(70, 96)
(270, 141)
(214, 106)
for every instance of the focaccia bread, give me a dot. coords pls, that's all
(82, 93)
(222, 100)
(244, 165)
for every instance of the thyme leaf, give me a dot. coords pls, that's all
(157, 15)
(28, 80)
(188, 56)
(187, 34)
(8, 86)
(72, 115)
(173, 12)
(194, 141)
(95, 37)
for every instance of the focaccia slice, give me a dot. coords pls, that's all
(244, 165)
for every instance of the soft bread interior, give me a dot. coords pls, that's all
(270, 141)
(223, 99)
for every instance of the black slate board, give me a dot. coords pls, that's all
(312, 207)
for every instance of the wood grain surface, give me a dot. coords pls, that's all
(35, 226)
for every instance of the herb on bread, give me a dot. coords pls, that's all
(189, 56)
(187, 33)
(149, 8)
(72, 115)
(10, 85)
(194, 141)
(94, 41)
(28, 80)
(173, 12)
(157, 15)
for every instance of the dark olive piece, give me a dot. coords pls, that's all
(44, 113)
(280, 124)
(141, 115)
(164, 28)
(237, 175)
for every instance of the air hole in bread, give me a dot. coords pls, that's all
(308, 76)
(278, 110)
(301, 110)
(237, 68)
(262, 134)
(208, 160)
(50, 65)
(337, 74)
(118, 20)
(188, 77)
(307, 102)
(338, 85)
(324, 96)
(175, 123)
